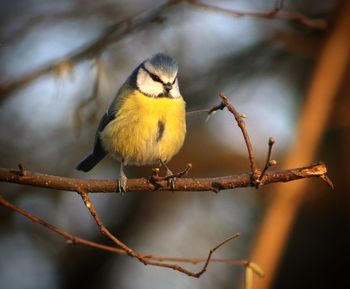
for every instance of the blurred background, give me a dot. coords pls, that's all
(290, 77)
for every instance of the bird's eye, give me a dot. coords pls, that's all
(155, 78)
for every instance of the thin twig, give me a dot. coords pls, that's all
(242, 126)
(220, 106)
(259, 179)
(276, 12)
(74, 240)
(269, 162)
(85, 197)
(156, 177)
(135, 254)
(213, 250)
(69, 237)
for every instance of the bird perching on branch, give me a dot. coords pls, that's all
(146, 122)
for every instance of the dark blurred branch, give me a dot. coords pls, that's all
(276, 12)
(112, 34)
(147, 259)
(79, 11)
(120, 29)
(144, 185)
(78, 121)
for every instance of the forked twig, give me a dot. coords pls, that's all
(258, 179)
(269, 162)
(157, 178)
(88, 204)
(79, 241)
(240, 122)
(242, 126)
(140, 257)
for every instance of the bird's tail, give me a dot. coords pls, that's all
(89, 162)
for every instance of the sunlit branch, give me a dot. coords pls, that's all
(215, 184)
(269, 162)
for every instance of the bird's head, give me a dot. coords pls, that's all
(157, 77)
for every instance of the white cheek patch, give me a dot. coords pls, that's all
(147, 85)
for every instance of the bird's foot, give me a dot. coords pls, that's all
(121, 182)
(171, 178)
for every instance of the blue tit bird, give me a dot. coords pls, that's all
(146, 122)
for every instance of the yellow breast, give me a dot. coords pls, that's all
(146, 129)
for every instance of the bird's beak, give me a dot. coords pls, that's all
(168, 86)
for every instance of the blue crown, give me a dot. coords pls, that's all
(166, 64)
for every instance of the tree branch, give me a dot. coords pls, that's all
(145, 185)
(147, 259)
(154, 182)
(84, 187)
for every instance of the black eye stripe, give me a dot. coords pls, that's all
(152, 75)
(155, 77)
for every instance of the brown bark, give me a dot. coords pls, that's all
(26, 177)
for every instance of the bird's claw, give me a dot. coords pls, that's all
(121, 181)
(170, 178)
(171, 183)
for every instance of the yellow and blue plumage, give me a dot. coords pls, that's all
(146, 122)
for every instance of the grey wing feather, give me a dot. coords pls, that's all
(98, 152)
(106, 119)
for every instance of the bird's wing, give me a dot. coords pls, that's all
(106, 119)
(110, 114)
(114, 107)
(124, 92)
